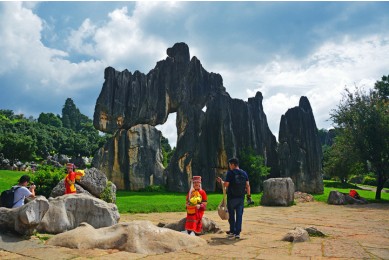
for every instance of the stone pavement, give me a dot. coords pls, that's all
(354, 232)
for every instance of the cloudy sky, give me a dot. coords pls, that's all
(54, 50)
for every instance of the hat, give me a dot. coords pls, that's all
(196, 179)
(70, 165)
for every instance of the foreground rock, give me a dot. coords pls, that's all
(296, 235)
(209, 226)
(25, 219)
(338, 198)
(93, 183)
(69, 211)
(137, 237)
(278, 192)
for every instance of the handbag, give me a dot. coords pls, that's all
(222, 208)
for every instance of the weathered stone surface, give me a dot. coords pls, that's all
(299, 149)
(278, 192)
(339, 198)
(59, 190)
(296, 235)
(137, 236)
(209, 226)
(303, 197)
(69, 211)
(26, 218)
(132, 159)
(336, 198)
(94, 181)
(205, 139)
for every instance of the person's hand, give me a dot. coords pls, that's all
(249, 200)
(218, 179)
(198, 206)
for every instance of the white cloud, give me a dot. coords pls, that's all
(44, 70)
(322, 77)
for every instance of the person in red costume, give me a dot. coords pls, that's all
(70, 179)
(196, 202)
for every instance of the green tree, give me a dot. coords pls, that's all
(50, 119)
(72, 117)
(255, 167)
(364, 120)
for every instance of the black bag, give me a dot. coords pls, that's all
(238, 186)
(7, 197)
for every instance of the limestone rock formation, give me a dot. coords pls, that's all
(278, 192)
(132, 159)
(69, 211)
(205, 139)
(140, 237)
(26, 218)
(299, 149)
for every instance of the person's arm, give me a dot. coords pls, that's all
(32, 190)
(248, 190)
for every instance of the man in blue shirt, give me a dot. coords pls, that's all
(237, 184)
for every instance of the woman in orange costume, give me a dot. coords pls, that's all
(70, 179)
(196, 201)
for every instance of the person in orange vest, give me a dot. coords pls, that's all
(196, 201)
(70, 179)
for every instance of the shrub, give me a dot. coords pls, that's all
(154, 188)
(46, 178)
(368, 180)
(106, 195)
(356, 179)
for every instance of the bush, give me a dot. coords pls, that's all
(368, 180)
(46, 178)
(106, 195)
(153, 188)
(356, 179)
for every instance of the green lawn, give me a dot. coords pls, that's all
(147, 202)
(9, 179)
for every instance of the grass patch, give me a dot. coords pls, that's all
(345, 188)
(148, 202)
(9, 179)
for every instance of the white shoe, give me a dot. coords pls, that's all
(192, 233)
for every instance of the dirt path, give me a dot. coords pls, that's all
(354, 231)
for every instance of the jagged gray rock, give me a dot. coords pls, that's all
(26, 218)
(69, 211)
(140, 237)
(205, 140)
(299, 149)
(296, 235)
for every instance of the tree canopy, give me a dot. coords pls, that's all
(362, 118)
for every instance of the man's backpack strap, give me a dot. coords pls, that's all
(15, 189)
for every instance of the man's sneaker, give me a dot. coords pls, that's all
(230, 235)
(237, 236)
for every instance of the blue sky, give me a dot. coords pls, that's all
(55, 50)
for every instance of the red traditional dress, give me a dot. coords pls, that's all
(194, 216)
(70, 179)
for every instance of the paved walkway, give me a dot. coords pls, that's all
(354, 232)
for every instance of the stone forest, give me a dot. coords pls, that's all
(130, 105)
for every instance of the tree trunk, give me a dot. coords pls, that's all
(380, 184)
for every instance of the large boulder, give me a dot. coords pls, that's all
(26, 218)
(140, 237)
(209, 226)
(299, 149)
(59, 190)
(69, 211)
(278, 192)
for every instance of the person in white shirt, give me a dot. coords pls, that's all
(23, 192)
